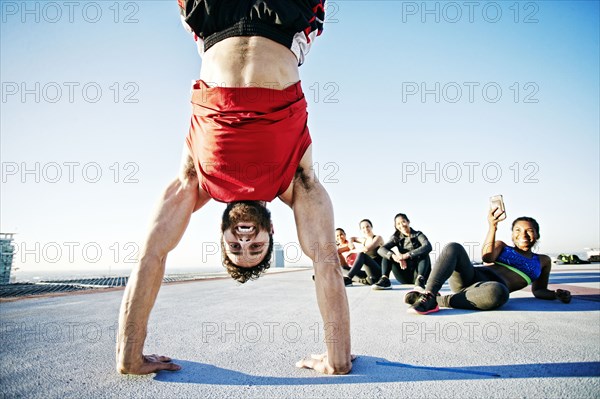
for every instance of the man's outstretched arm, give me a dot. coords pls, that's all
(177, 204)
(313, 213)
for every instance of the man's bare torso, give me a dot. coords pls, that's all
(249, 61)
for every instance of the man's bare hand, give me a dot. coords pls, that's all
(321, 364)
(150, 364)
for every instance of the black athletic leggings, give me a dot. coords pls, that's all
(370, 266)
(414, 267)
(476, 288)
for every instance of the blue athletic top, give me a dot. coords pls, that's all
(529, 269)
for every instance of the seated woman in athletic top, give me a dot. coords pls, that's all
(347, 254)
(344, 248)
(367, 257)
(488, 287)
(411, 264)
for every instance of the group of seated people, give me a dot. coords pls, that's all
(406, 254)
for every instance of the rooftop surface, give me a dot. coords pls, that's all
(46, 287)
(241, 341)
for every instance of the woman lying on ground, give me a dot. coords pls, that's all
(488, 287)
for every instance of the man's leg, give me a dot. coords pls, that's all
(179, 201)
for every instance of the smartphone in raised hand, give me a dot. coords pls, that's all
(497, 202)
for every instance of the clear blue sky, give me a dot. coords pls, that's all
(422, 110)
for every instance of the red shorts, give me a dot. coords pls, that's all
(247, 142)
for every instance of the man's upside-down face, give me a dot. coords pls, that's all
(247, 239)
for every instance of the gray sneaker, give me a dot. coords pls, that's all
(383, 284)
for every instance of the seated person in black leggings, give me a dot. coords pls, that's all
(367, 257)
(347, 255)
(413, 263)
(488, 287)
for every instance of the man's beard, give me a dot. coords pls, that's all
(246, 211)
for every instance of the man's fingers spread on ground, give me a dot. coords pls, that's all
(319, 356)
(157, 358)
(158, 366)
(314, 364)
(169, 366)
(308, 363)
(302, 364)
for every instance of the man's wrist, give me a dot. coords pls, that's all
(126, 366)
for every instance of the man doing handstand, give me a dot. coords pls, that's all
(248, 143)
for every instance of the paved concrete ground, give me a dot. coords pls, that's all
(241, 341)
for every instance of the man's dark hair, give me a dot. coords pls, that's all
(340, 229)
(262, 217)
(259, 213)
(243, 274)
